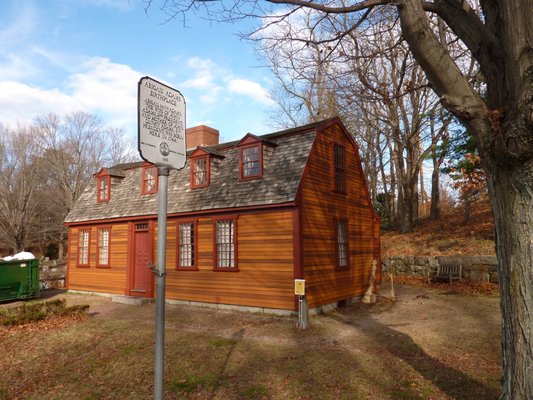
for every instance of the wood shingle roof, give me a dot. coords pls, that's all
(283, 166)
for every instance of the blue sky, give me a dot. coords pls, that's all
(62, 56)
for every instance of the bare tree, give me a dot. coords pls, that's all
(375, 86)
(44, 168)
(19, 181)
(501, 41)
(305, 89)
(437, 154)
(75, 147)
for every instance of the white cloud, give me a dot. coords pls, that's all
(65, 62)
(14, 64)
(207, 122)
(204, 79)
(106, 87)
(100, 87)
(204, 74)
(14, 67)
(251, 89)
(211, 82)
(20, 28)
(21, 103)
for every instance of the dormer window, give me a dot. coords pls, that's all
(104, 188)
(149, 179)
(201, 159)
(200, 172)
(251, 162)
(104, 178)
(251, 156)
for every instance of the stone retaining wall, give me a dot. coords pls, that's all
(475, 268)
(52, 274)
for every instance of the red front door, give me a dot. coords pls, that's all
(142, 276)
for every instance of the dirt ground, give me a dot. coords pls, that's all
(432, 343)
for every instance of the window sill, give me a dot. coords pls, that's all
(251, 177)
(225, 269)
(339, 192)
(186, 268)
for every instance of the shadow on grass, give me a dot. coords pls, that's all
(112, 357)
(236, 338)
(453, 382)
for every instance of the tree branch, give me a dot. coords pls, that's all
(466, 24)
(334, 10)
(449, 83)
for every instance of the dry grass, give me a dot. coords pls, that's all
(473, 288)
(40, 311)
(390, 350)
(449, 236)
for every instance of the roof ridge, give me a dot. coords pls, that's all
(213, 148)
(289, 131)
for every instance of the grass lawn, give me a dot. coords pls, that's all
(432, 343)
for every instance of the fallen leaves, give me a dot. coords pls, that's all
(464, 287)
(40, 316)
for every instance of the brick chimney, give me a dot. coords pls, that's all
(200, 136)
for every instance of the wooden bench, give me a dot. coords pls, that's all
(449, 272)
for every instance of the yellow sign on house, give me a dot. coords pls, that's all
(299, 287)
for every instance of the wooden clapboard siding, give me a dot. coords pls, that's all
(265, 263)
(92, 278)
(276, 241)
(321, 207)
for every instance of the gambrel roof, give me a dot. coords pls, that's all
(285, 156)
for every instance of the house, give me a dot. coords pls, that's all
(245, 219)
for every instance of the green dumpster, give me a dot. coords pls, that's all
(19, 279)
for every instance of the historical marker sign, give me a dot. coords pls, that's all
(161, 114)
(299, 287)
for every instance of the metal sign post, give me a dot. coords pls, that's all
(160, 274)
(303, 313)
(161, 118)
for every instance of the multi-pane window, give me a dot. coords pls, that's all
(83, 247)
(149, 185)
(339, 166)
(342, 244)
(103, 188)
(141, 227)
(200, 172)
(103, 247)
(250, 162)
(186, 247)
(225, 244)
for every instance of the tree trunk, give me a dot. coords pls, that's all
(422, 203)
(394, 192)
(504, 129)
(466, 215)
(511, 195)
(61, 247)
(437, 159)
(435, 194)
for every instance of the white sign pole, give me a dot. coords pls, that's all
(161, 114)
